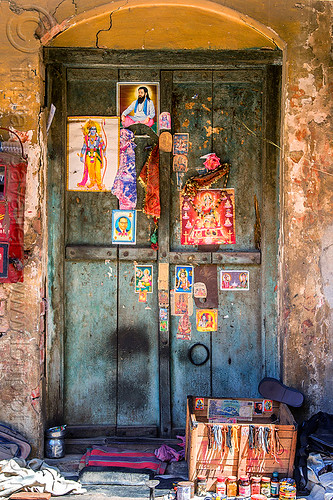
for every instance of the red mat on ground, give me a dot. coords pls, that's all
(105, 456)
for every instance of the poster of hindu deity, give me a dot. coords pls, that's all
(183, 279)
(208, 218)
(92, 152)
(206, 320)
(234, 280)
(143, 279)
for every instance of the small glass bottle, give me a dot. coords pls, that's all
(221, 487)
(275, 485)
(265, 488)
(244, 487)
(255, 485)
(201, 486)
(232, 486)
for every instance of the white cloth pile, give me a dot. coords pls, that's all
(35, 475)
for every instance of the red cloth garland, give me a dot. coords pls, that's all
(150, 179)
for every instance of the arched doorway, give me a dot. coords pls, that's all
(219, 77)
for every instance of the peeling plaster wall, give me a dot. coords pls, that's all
(306, 276)
(307, 211)
(22, 331)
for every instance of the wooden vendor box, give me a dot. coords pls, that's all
(231, 437)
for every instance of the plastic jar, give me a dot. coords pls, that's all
(221, 487)
(232, 486)
(265, 487)
(201, 486)
(244, 486)
(287, 489)
(255, 485)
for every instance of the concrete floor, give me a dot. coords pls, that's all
(68, 467)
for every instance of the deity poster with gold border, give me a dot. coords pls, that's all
(206, 320)
(208, 218)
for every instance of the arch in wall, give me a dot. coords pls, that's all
(163, 24)
(157, 28)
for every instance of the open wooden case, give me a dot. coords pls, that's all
(204, 457)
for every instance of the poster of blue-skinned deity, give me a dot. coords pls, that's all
(138, 102)
(92, 152)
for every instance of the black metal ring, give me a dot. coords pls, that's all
(190, 354)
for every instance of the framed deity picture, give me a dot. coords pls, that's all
(92, 152)
(138, 103)
(123, 227)
(208, 218)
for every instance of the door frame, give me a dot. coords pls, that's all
(58, 61)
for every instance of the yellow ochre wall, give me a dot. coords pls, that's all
(305, 288)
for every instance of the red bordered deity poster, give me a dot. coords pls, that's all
(208, 218)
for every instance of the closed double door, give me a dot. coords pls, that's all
(107, 355)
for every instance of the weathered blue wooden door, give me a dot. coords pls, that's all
(109, 366)
(225, 111)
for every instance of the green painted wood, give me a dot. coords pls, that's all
(192, 114)
(92, 91)
(164, 247)
(237, 356)
(88, 218)
(238, 112)
(222, 99)
(56, 94)
(270, 222)
(90, 252)
(91, 342)
(137, 382)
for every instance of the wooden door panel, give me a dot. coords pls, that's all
(186, 378)
(237, 347)
(138, 389)
(89, 217)
(229, 122)
(91, 91)
(192, 114)
(238, 115)
(90, 342)
(114, 371)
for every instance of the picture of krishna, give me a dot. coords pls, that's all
(93, 151)
(184, 279)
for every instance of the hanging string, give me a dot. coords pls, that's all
(251, 437)
(235, 444)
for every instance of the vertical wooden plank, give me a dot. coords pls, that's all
(192, 114)
(138, 387)
(270, 220)
(237, 110)
(194, 446)
(55, 210)
(164, 247)
(91, 343)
